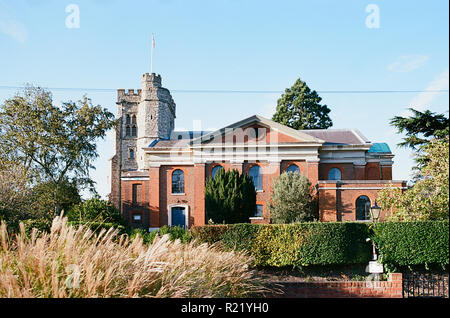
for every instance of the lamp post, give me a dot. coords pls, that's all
(374, 215)
(374, 267)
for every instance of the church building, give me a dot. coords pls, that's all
(158, 174)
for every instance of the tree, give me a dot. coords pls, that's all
(291, 200)
(54, 144)
(428, 198)
(421, 128)
(300, 108)
(15, 194)
(230, 197)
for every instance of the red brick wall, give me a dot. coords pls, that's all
(343, 289)
(340, 204)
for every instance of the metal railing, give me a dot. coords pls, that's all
(425, 285)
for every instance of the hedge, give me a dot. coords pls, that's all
(299, 244)
(421, 243)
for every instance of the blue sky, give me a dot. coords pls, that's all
(235, 45)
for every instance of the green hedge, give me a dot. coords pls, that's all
(296, 245)
(413, 243)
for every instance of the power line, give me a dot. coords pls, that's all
(224, 91)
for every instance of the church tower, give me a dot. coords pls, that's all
(146, 115)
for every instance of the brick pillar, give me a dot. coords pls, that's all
(199, 194)
(386, 172)
(154, 196)
(360, 172)
(313, 171)
(397, 285)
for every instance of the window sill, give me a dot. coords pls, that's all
(256, 218)
(178, 193)
(259, 191)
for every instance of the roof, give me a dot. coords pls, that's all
(300, 135)
(179, 138)
(380, 147)
(338, 136)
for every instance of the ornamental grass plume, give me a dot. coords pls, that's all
(75, 262)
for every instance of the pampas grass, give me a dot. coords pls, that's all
(75, 262)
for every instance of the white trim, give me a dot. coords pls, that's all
(177, 205)
(135, 179)
(363, 188)
(256, 218)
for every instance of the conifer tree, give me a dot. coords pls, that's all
(300, 108)
(230, 197)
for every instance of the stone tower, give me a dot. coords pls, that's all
(146, 115)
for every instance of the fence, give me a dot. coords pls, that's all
(425, 286)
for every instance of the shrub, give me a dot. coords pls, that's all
(174, 232)
(75, 262)
(299, 244)
(291, 200)
(421, 243)
(230, 197)
(95, 210)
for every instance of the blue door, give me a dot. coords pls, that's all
(178, 216)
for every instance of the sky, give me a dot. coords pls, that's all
(95, 47)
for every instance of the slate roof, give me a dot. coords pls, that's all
(338, 136)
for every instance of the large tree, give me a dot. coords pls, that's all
(421, 127)
(300, 108)
(230, 197)
(55, 145)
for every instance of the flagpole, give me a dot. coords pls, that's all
(151, 56)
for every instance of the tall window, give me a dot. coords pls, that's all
(178, 181)
(136, 193)
(127, 127)
(255, 173)
(334, 174)
(215, 170)
(293, 168)
(134, 131)
(362, 208)
(131, 152)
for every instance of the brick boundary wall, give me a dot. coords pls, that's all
(343, 289)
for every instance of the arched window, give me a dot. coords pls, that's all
(127, 131)
(255, 173)
(334, 174)
(133, 120)
(128, 120)
(131, 153)
(178, 181)
(362, 208)
(293, 168)
(134, 131)
(215, 170)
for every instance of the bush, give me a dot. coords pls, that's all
(174, 232)
(299, 244)
(95, 210)
(422, 243)
(75, 262)
(291, 200)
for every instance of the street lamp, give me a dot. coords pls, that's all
(375, 212)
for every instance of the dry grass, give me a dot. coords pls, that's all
(75, 262)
